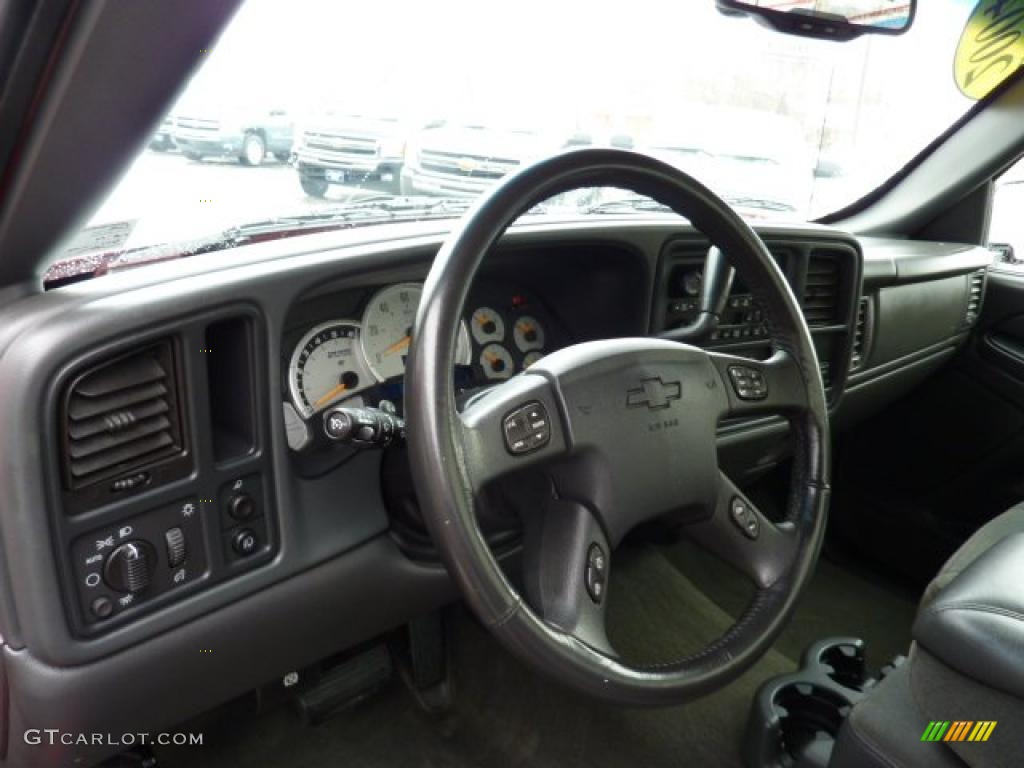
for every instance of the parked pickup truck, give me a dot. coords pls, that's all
(461, 158)
(161, 140)
(338, 147)
(248, 133)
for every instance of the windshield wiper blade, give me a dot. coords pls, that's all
(761, 203)
(369, 210)
(637, 203)
(375, 209)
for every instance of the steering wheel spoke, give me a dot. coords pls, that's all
(741, 535)
(756, 387)
(508, 428)
(566, 570)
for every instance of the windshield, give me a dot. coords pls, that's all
(428, 102)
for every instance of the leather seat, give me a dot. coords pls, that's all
(1008, 523)
(966, 663)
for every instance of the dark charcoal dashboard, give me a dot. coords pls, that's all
(178, 491)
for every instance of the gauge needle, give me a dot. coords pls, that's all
(330, 395)
(398, 346)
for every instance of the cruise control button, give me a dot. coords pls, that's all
(744, 517)
(596, 575)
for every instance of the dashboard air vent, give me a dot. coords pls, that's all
(976, 292)
(121, 415)
(859, 332)
(821, 289)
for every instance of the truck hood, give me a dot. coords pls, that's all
(491, 143)
(356, 125)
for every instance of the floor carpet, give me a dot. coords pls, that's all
(665, 601)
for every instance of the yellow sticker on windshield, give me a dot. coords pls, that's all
(991, 47)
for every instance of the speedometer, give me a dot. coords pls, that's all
(387, 330)
(326, 366)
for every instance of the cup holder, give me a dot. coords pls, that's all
(795, 718)
(846, 663)
(808, 713)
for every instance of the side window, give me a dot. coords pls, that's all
(1007, 226)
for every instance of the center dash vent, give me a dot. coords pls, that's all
(976, 291)
(821, 289)
(859, 334)
(122, 416)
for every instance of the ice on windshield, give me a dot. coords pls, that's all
(441, 100)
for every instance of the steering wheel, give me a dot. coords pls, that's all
(624, 432)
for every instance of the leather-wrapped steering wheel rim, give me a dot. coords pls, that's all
(454, 454)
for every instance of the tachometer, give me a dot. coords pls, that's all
(326, 366)
(387, 330)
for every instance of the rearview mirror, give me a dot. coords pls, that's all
(828, 19)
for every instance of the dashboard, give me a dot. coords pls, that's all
(178, 490)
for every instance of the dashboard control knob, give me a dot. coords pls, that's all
(245, 542)
(130, 567)
(241, 506)
(176, 549)
(102, 607)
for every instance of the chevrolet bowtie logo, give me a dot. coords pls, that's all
(654, 393)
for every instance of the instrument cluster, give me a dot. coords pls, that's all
(361, 360)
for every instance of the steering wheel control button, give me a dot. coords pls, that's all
(596, 576)
(130, 567)
(744, 517)
(527, 428)
(102, 607)
(176, 549)
(245, 542)
(748, 382)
